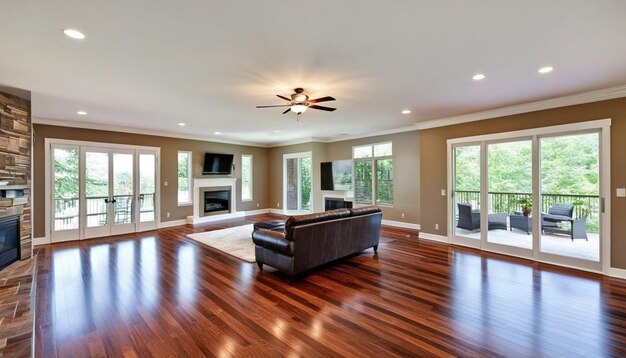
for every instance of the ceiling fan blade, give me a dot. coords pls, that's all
(283, 97)
(322, 108)
(323, 99)
(287, 110)
(277, 105)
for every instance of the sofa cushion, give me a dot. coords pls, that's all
(297, 220)
(364, 210)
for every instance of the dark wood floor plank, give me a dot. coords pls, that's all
(161, 294)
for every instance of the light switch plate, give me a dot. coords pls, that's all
(621, 192)
(443, 192)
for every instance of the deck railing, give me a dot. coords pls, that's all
(502, 202)
(67, 214)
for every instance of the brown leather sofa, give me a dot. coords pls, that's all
(311, 240)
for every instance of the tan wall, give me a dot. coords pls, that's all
(275, 158)
(434, 168)
(405, 171)
(169, 157)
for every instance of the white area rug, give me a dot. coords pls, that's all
(235, 241)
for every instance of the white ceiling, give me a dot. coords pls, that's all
(150, 64)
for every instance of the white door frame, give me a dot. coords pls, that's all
(604, 128)
(48, 142)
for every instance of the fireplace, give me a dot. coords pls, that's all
(9, 240)
(336, 203)
(216, 201)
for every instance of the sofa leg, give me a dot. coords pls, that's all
(375, 248)
(260, 264)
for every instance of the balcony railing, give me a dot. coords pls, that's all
(66, 213)
(502, 202)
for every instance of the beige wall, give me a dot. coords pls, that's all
(275, 158)
(169, 157)
(434, 168)
(405, 171)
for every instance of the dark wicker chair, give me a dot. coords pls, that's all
(556, 214)
(468, 219)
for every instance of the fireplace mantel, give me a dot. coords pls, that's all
(204, 183)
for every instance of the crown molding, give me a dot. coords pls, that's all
(104, 127)
(580, 98)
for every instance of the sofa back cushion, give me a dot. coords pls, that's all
(298, 220)
(364, 210)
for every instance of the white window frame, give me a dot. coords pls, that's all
(374, 160)
(250, 179)
(189, 178)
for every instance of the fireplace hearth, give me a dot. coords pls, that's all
(9, 240)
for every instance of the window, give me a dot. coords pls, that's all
(373, 173)
(184, 178)
(246, 177)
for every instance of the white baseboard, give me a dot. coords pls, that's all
(401, 224)
(433, 237)
(206, 219)
(256, 212)
(615, 272)
(277, 211)
(41, 241)
(172, 223)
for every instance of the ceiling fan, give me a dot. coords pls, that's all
(300, 102)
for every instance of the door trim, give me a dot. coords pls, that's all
(48, 142)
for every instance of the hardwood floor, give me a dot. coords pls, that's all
(161, 294)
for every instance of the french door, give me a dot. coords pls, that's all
(540, 194)
(101, 191)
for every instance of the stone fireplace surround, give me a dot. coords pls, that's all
(200, 186)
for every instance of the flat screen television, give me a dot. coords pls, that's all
(217, 163)
(336, 175)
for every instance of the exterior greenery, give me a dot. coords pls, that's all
(569, 167)
(373, 161)
(184, 191)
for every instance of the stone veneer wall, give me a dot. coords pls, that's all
(15, 161)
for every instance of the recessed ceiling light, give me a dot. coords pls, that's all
(545, 69)
(276, 131)
(75, 34)
(478, 77)
(406, 111)
(81, 113)
(217, 133)
(181, 124)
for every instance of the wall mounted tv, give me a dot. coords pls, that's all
(336, 175)
(216, 164)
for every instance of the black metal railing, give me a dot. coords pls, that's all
(585, 206)
(67, 215)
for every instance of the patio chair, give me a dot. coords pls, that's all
(468, 219)
(558, 213)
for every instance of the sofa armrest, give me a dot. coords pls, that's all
(273, 240)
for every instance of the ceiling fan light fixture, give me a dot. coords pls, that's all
(298, 108)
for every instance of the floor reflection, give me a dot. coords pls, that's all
(186, 269)
(493, 300)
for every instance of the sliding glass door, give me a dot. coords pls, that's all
(466, 196)
(537, 193)
(509, 196)
(570, 198)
